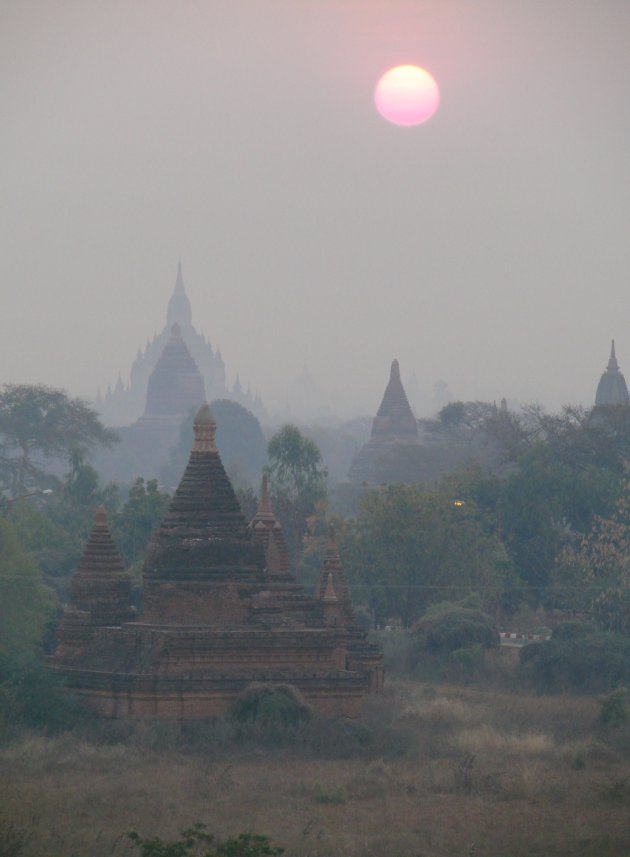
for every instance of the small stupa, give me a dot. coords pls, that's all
(394, 421)
(612, 389)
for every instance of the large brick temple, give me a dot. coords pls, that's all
(221, 610)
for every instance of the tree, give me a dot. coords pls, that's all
(449, 627)
(562, 471)
(295, 465)
(26, 603)
(593, 572)
(134, 524)
(196, 842)
(40, 424)
(409, 548)
(55, 528)
(297, 482)
(587, 662)
(240, 441)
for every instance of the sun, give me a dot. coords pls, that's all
(407, 95)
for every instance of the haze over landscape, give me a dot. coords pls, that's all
(371, 597)
(488, 248)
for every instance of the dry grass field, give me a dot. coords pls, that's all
(435, 771)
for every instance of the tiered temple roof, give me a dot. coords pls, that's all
(100, 590)
(202, 543)
(220, 611)
(176, 385)
(332, 573)
(101, 585)
(268, 532)
(612, 389)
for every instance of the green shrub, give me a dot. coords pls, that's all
(572, 629)
(270, 713)
(614, 712)
(456, 629)
(578, 763)
(335, 796)
(13, 839)
(467, 660)
(280, 704)
(196, 842)
(584, 663)
(32, 695)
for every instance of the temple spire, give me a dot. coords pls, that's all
(179, 282)
(267, 531)
(613, 366)
(394, 420)
(100, 585)
(264, 509)
(179, 309)
(205, 429)
(612, 389)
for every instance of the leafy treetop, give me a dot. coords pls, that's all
(39, 422)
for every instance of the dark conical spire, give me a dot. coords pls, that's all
(612, 389)
(394, 419)
(176, 385)
(203, 538)
(268, 532)
(332, 577)
(179, 309)
(100, 585)
(613, 366)
(179, 281)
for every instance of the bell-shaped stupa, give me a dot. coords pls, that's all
(612, 389)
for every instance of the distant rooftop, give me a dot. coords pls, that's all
(612, 389)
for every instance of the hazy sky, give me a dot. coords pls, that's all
(489, 247)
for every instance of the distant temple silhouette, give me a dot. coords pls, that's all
(123, 405)
(384, 458)
(401, 450)
(612, 389)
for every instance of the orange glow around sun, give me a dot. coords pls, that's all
(407, 95)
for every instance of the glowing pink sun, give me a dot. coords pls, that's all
(407, 95)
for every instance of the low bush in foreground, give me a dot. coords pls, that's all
(196, 842)
(429, 770)
(32, 695)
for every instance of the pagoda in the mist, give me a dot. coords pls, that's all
(124, 404)
(612, 389)
(394, 429)
(175, 386)
(221, 610)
